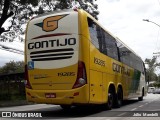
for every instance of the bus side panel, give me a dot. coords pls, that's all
(84, 47)
(96, 86)
(98, 76)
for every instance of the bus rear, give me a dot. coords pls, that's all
(53, 72)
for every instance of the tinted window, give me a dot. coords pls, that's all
(93, 33)
(111, 46)
(102, 40)
(129, 58)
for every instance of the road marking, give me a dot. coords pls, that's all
(121, 114)
(141, 105)
(133, 109)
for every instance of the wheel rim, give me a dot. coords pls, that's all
(110, 100)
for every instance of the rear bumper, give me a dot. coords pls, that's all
(73, 96)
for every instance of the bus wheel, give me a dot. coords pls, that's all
(109, 104)
(141, 98)
(119, 98)
(65, 107)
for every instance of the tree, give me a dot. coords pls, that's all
(152, 65)
(12, 67)
(18, 12)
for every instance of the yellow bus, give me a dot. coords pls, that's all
(70, 59)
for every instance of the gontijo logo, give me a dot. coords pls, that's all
(50, 23)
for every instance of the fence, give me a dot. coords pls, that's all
(12, 86)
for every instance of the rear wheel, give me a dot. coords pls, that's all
(119, 97)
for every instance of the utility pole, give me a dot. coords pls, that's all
(147, 20)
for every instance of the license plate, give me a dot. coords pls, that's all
(50, 95)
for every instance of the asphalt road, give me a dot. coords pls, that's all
(148, 109)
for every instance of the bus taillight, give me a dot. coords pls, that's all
(27, 83)
(81, 75)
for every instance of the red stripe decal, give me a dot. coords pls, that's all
(51, 35)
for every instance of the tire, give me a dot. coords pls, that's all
(119, 98)
(109, 104)
(141, 98)
(65, 107)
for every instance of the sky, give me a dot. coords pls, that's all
(124, 19)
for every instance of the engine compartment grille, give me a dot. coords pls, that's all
(54, 54)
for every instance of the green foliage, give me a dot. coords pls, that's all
(12, 67)
(152, 65)
(12, 90)
(156, 84)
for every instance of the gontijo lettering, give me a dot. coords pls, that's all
(52, 43)
(120, 69)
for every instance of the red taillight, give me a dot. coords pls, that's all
(27, 83)
(81, 75)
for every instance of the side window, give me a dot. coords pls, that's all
(102, 40)
(93, 33)
(140, 66)
(125, 54)
(129, 58)
(111, 46)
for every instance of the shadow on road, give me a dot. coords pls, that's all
(72, 112)
(128, 102)
(81, 111)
